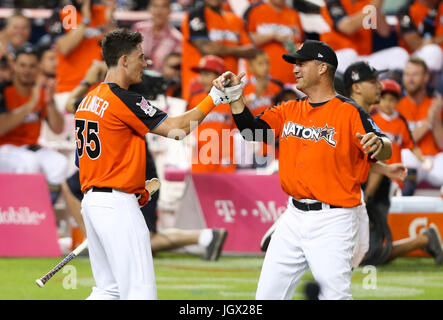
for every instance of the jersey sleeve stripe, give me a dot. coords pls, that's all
(159, 122)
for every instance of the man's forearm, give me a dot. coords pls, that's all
(10, 120)
(419, 132)
(55, 119)
(67, 43)
(437, 132)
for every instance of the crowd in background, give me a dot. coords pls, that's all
(45, 63)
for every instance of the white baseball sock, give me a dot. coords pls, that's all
(205, 237)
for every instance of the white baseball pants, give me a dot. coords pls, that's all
(322, 241)
(119, 247)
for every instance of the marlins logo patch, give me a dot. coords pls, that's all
(309, 133)
(146, 107)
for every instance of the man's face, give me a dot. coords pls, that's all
(26, 69)
(49, 62)
(206, 78)
(414, 78)
(370, 91)
(18, 31)
(171, 67)
(260, 66)
(306, 74)
(160, 11)
(136, 63)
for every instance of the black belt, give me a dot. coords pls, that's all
(310, 206)
(105, 189)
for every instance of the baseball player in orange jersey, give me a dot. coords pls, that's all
(110, 127)
(326, 141)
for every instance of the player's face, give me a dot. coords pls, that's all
(371, 90)
(306, 74)
(26, 69)
(136, 65)
(260, 66)
(414, 78)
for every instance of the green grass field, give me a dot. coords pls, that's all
(186, 277)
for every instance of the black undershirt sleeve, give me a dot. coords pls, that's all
(253, 128)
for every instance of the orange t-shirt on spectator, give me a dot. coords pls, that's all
(415, 115)
(73, 67)
(395, 127)
(218, 120)
(28, 132)
(203, 23)
(261, 18)
(333, 12)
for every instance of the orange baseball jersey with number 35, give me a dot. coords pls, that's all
(110, 128)
(320, 156)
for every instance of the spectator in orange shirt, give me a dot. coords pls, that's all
(208, 30)
(160, 38)
(395, 126)
(422, 31)
(215, 146)
(424, 116)
(355, 37)
(81, 27)
(24, 103)
(276, 29)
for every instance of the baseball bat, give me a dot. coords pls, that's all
(151, 186)
(41, 282)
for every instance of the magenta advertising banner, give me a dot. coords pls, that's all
(27, 220)
(244, 204)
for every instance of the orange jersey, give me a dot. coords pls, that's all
(320, 156)
(395, 127)
(110, 128)
(203, 23)
(209, 136)
(333, 12)
(415, 115)
(417, 17)
(73, 67)
(28, 132)
(262, 19)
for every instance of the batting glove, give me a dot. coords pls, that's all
(231, 94)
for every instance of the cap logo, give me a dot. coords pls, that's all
(320, 55)
(355, 76)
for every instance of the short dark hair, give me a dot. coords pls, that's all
(26, 49)
(118, 43)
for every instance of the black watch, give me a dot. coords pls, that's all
(382, 143)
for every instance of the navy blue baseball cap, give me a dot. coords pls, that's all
(313, 50)
(360, 71)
